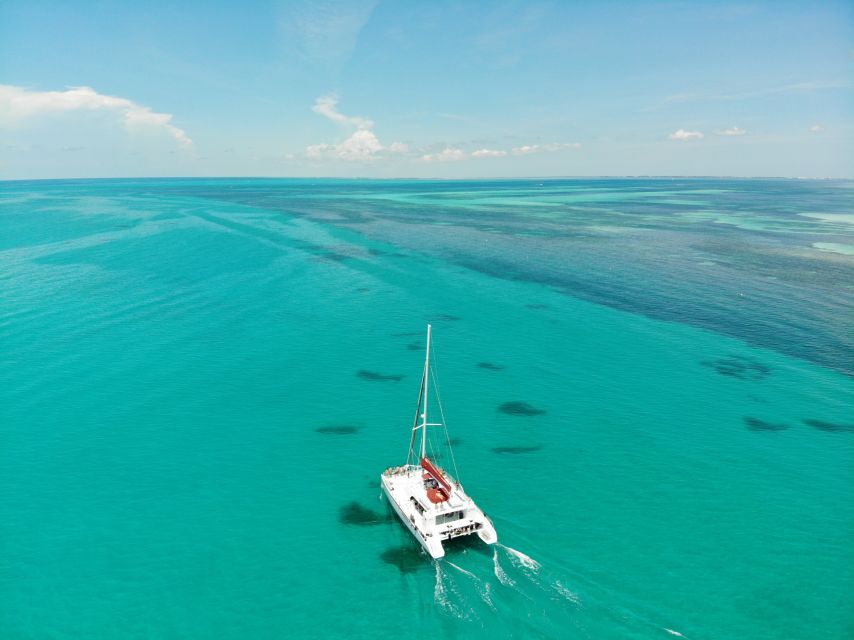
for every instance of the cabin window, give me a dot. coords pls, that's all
(449, 517)
(417, 504)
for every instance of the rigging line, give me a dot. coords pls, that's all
(409, 455)
(434, 374)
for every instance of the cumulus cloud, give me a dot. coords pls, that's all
(684, 136)
(362, 145)
(488, 153)
(528, 149)
(18, 105)
(448, 154)
(732, 131)
(816, 128)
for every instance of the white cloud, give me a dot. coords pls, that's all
(543, 148)
(526, 149)
(318, 150)
(683, 135)
(732, 131)
(326, 106)
(362, 145)
(488, 153)
(448, 154)
(18, 104)
(816, 128)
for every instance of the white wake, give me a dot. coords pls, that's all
(446, 595)
(522, 560)
(500, 573)
(482, 587)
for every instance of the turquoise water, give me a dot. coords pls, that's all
(187, 449)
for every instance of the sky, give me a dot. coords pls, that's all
(396, 89)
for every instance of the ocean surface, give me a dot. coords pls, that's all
(650, 383)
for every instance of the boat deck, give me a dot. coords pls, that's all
(408, 489)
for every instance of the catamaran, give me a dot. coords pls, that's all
(430, 502)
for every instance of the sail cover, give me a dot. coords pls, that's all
(430, 468)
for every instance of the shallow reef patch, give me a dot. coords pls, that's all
(755, 424)
(356, 514)
(517, 449)
(516, 408)
(407, 559)
(338, 429)
(833, 427)
(378, 377)
(740, 367)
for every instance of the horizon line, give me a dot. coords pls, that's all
(438, 179)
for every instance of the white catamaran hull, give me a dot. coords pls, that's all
(434, 525)
(431, 546)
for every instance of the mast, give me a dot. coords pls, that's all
(415, 424)
(426, 393)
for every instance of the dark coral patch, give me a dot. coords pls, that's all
(378, 377)
(338, 429)
(834, 427)
(755, 424)
(380, 253)
(517, 449)
(491, 366)
(740, 367)
(332, 256)
(354, 513)
(520, 409)
(407, 559)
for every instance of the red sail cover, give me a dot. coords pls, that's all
(430, 468)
